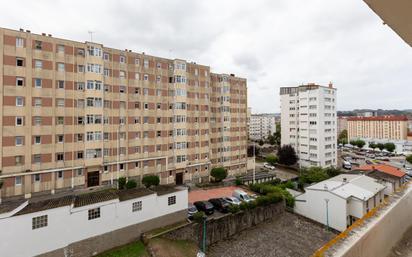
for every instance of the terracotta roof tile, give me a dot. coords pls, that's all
(388, 169)
(380, 118)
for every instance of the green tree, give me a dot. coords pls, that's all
(372, 145)
(332, 171)
(408, 159)
(343, 137)
(150, 180)
(261, 142)
(271, 159)
(122, 182)
(274, 139)
(360, 143)
(131, 184)
(390, 147)
(218, 174)
(313, 175)
(380, 146)
(287, 155)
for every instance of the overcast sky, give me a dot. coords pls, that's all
(272, 43)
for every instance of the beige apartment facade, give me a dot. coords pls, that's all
(378, 127)
(78, 115)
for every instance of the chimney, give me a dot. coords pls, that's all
(50, 35)
(43, 34)
(330, 84)
(28, 31)
(21, 30)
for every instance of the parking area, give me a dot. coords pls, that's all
(206, 194)
(281, 173)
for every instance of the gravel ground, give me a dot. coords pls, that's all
(287, 236)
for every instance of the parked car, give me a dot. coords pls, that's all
(408, 171)
(232, 200)
(192, 210)
(268, 166)
(346, 165)
(205, 207)
(220, 204)
(242, 195)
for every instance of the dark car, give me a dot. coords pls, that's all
(368, 162)
(205, 207)
(220, 204)
(192, 210)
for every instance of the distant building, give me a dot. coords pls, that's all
(379, 127)
(308, 123)
(262, 125)
(249, 113)
(367, 114)
(341, 200)
(392, 177)
(342, 124)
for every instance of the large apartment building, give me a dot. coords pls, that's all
(77, 115)
(262, 125)
(308, 123)
(378, 127)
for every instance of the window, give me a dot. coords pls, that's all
(122, 89)
(37, 140)
(122, 74)
(80, 155)
(38, 64)
(146, 77)
(80, 68)
(60, 120)
(37, 120)
(18, 159)
(122, 59)
(17, 180)
(106, 56)
(37, 83)
(19, 42)
(19, 81)
(60, 138)
(79, 172)
(106, 72)
(137, 206)
(60, 84)
(60, 66)
(146, 63)
(19, 141)
(60, 48)
(19, 121)
(60, 102)
(19, 62)
(19, 101)
(36, 177)
(60, 174)
(37, 159)
(171, 200)
(121, 166)
(39, 222)
(94, 213)
(37, 45)
(59, 157)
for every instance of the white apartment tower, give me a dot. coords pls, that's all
(262, 125)
(308, 123)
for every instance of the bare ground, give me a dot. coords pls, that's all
(403, 247)
(287, 236)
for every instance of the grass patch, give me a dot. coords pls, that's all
(136, 249)
(165, 228)
(173, 248)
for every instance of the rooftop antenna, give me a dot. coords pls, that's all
(91, 35)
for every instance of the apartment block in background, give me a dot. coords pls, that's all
(261, 126)
(78, 115)
(308, 123)
(378, 127)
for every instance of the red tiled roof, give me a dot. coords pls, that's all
(388, 169)
(380, 118)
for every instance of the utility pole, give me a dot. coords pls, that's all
(327, 213)
(254, 162)
(91, 35)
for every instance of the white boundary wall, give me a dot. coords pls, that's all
(67, 225)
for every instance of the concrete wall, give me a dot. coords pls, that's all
(313, 206)
(227, 226)
(68, 225)
(383, 233)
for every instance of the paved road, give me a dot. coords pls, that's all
(283, 174)
(286, 236)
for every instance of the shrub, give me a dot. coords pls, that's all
(409, 158)
(243, 206)
(262, 200)
(289, 199)
(199, 216)
(131, 184)
(218, 174)
(275, 197)
(233, 208)
(271, 159)
(238, 182)
(122, 182)
(150, 180)
(252, 204)
(390, 147)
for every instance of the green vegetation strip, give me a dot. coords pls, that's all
(136, 249)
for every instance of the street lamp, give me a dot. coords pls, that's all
(254, 163)
(327, 213)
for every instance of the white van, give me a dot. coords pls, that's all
(242, 196)
(347, 165)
